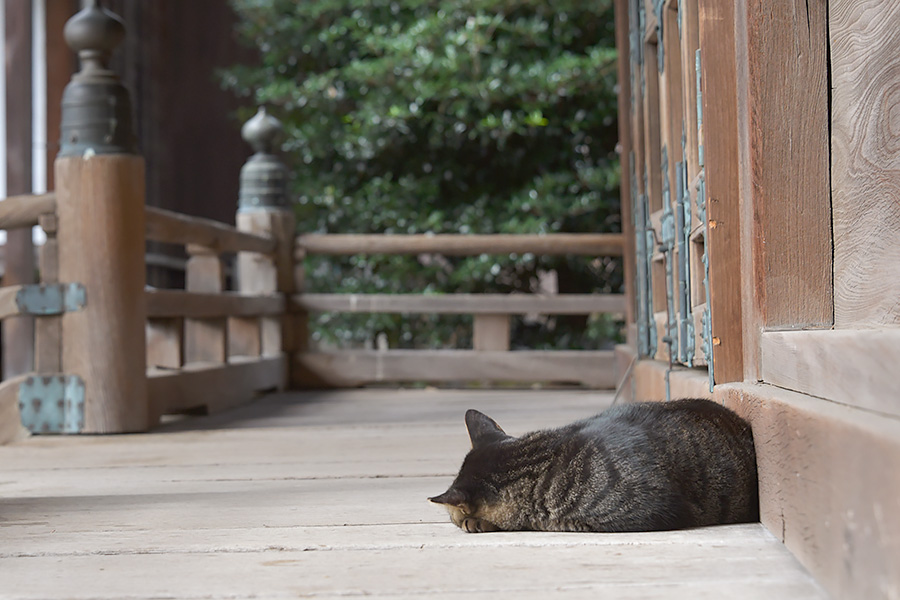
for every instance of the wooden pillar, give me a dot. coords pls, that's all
(18, 332)
(723, 235)
(263, 210)
(783, 152)
(100, 205)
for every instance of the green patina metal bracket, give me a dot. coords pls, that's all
(52, 403)
(51, 299)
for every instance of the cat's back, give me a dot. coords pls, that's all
(691, 460)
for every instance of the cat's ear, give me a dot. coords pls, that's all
(483, 430)
(453, 497)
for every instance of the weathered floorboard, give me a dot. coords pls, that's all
(322, 494)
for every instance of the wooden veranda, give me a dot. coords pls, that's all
(752, 278)
(323, 494)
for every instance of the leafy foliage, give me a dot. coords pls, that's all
(445, 116)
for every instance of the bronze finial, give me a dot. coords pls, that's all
(96, 108)
(264, 177)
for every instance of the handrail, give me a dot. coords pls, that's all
(335, 244)
(463, 304)
(179, 303)
(175, 228)
(24, 210)
(9, 305)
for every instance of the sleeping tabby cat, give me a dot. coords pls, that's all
(635, 467)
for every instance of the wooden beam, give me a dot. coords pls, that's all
(828, 485)
(865, 35)
(213, 386)
(723, 236)
(18, 332)
(855, 367)
(175, 228)
(25, 210)
(357, 367)
(463, 304)
(782, 91)
(199, 305)
(589, 244)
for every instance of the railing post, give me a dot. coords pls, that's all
(100, 208)
(263, 209)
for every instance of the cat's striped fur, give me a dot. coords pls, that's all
(635, 467)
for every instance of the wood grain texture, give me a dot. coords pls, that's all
(19, 264)
(490, 332)
(828, 486)
(723, 235)
(100, 205)
(624, 148)
(11, 429)
(865, 35)
(25, 210)
(165, 343)
(357, 367)
(853, 367)
(269, 335)
(278, 499)
(213, 386)
(589, 244)
(463, 304)
(205, 305)
(8, 305)
(205, 339)
(649, 382)
(175, 228)
(781, 55)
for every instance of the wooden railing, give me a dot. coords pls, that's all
(27, 211)
(490, 359)
(208, 347)
(113, 356)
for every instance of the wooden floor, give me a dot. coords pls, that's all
(324, 495)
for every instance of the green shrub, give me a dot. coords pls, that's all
(471, 116)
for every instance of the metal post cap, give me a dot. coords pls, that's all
(94, 33)
(96, 108)
(264, 177)
(261, 131)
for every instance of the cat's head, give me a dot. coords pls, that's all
(470, 500)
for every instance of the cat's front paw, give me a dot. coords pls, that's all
(473, 525)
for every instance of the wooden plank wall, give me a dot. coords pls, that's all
(722, 200)
(865, 37)
(782, 90)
